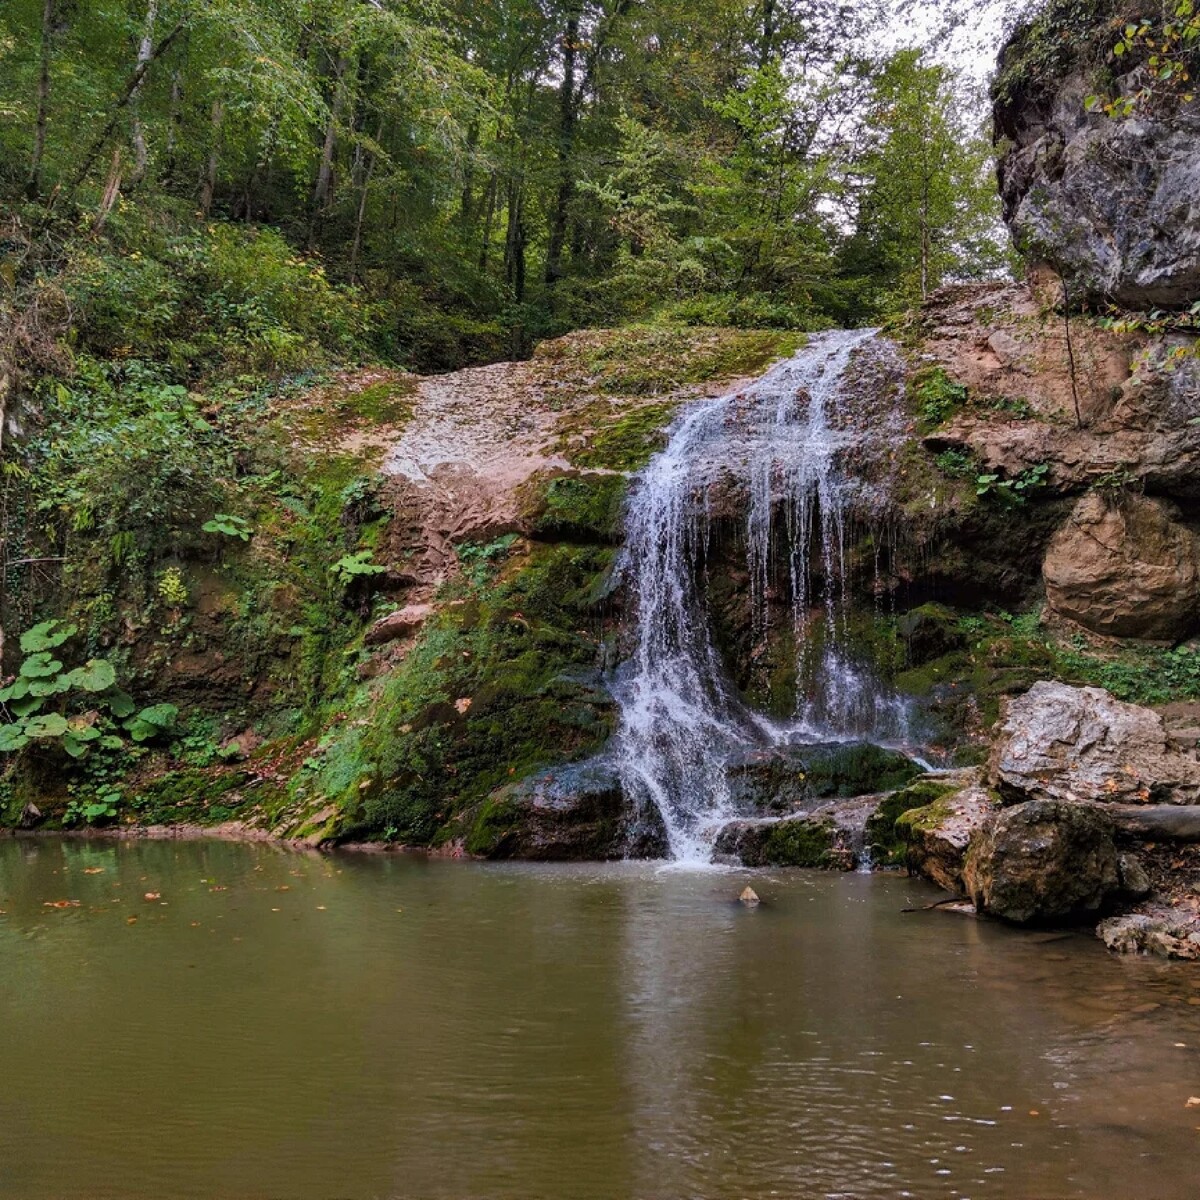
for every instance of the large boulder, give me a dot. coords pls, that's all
(1124, 567)
(1113, 204)
(577, 812)
(1044, 860)
(782, 779)
(1058, 742)
(938, 834)
(800, 841)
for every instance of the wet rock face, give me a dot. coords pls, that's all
(802, 841)
(574, 813)
(938, 835)
(1124, 567)
(1044, 860)
(1113, 205)
(1058, 742)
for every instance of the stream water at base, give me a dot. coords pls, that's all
(302, 1026)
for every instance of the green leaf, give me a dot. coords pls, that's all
(110, 741)
(46, 636)
(25, 706)
(20, 686)
(119, 703)
(40, 666)
(49, 687)
(96, 675)
(161, 716)
(12, 738)
(47, 725)
(73, 746)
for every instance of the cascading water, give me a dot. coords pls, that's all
(780, 444)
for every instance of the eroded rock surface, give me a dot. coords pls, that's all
(1125, 567)
(1112, 204)
(1059, 742)
(1044, 860)
(938, 835)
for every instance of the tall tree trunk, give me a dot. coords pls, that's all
(360, 216)
(112, 189)
(767, 46)
(322, 189)
(208, 185)
(174, 124)
(568, 112)
(489, 215)
(128, 93)
(514, 239)
(141, 156)
(33, 185)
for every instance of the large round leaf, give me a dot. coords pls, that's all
(40, 666)
(12, 738)
(96, 675)
(46, 636)
(46, 725)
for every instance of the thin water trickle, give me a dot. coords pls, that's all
(779, 446)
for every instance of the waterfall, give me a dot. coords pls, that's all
(779, 446)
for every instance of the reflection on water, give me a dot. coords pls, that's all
(276, 1025)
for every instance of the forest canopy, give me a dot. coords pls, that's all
(445, 182)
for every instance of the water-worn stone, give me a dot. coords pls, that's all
(1058, 742)
(1043, 860)
(1165, 933)
(1135, 881)
(937, 835)
(1125, 567)
(404, 622)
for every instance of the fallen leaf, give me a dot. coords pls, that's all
(60, 903)
(152, 896)
(1192, 1102)
(93, 870)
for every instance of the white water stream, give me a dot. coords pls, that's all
(779, 443)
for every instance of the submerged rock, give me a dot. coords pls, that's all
(1124, 567)
(1059, 742)
(937, 835)
(749, 897)
(1044, 860)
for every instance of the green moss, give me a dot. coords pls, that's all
(934, 397)
(579, 508)
(800, 843)
(202, 796)
(493, 825)
(628, 442)
(883, 839)
(647, 360)
(496, 686)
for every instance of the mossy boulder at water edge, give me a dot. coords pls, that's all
(782, 778)
(574, 812)
(801, 841)
(884, 843)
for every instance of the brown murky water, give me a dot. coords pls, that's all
(277, 1025)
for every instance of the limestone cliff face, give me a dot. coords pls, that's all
(1111, 203)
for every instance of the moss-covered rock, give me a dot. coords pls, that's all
(801, 841)
(884, 844)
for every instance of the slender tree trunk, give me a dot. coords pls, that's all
(141, 156)
(568, 105)
(360, 216)
(466, 204)
(514, 239)
(128, 92)
(322, 189)
(489, 217)
(174, 124)
(208, 185)
(33, 185)
(767, 45)
(112, 189)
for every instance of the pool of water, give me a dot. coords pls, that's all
(269, 1024)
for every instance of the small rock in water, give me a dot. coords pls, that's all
(749, 897)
